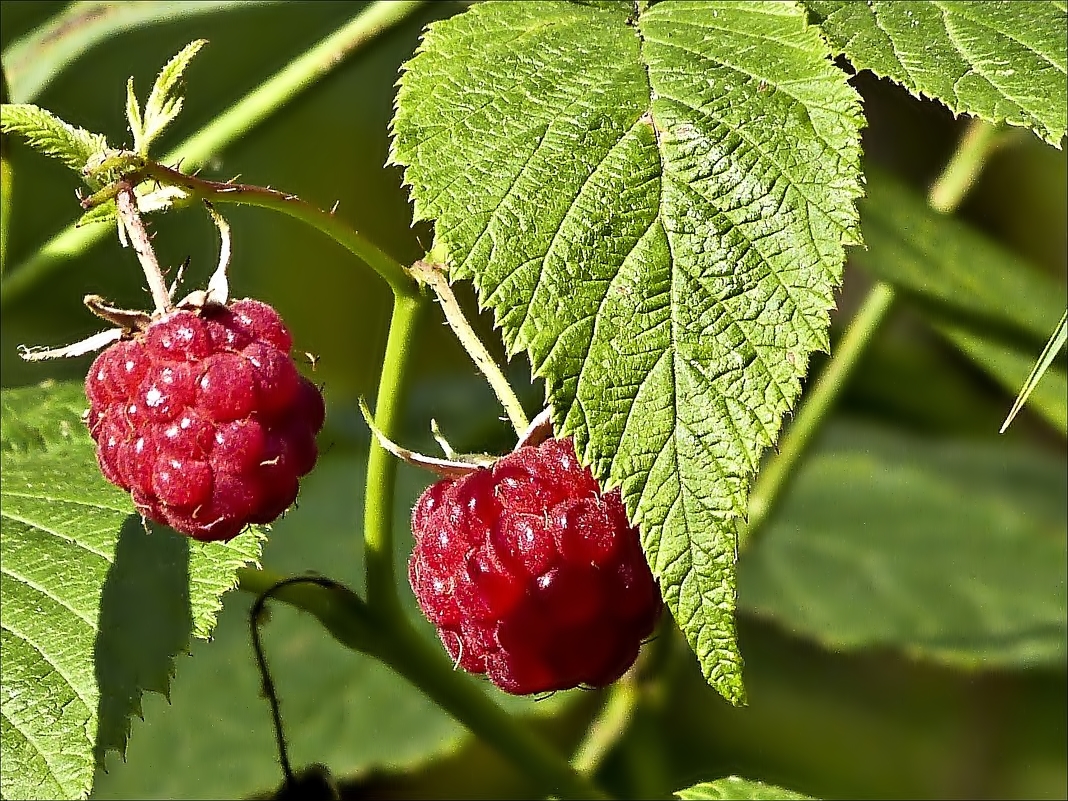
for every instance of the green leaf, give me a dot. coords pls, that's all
(133, 117)
(165, 102)
(949, 551)
(1045, 360)
(983, 298)
(1003, 62)
(94, 610)
(655, 209)
(105, 212)
(734, 787)
(1010, 366)
(34, 60)
(341, 709)
(943, 261)
(50, 135)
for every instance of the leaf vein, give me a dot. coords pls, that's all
(48, 593)
(89, 704)
(64, 537)
(41, 752)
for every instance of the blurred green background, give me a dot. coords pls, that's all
(868, 723)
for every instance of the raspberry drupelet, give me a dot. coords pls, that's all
(531, 574)
(204, 418)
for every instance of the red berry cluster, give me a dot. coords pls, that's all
(531, 574)
(204, 419)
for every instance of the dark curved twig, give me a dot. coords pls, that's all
(255, 616)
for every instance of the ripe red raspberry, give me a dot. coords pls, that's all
(204, 419)
(531, 574)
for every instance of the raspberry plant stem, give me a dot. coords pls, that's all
(391, 271)
(228, 127)
(642, 688)
(130, 219)
(945, 195)
(434, 276)
(394, 641)
(773, 478)
(7, 177)
(959, 175)
(7, 180)
(608, 726)
(426, 666)
(382, 466)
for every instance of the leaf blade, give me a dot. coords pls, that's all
(133, 118)
(959, 559)
(50, 135)
(1002, 63)
(734, 787)
(78, 571)
(165, 100)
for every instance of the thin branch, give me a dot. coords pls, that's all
(432, 275)
(130, 218)
(254, 619)
(333, 226)
(229, 126)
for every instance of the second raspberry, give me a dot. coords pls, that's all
(531, 574)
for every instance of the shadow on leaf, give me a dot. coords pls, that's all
(145, 621)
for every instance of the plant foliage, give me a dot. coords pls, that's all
(95, 611)
(655, 208)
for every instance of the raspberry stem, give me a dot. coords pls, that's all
(381, 465)
(302, 73)
(391, 271)
(7, 179)
(434, 276)
(130, 217)
(608, 727)
(394, 641)
(428, 667)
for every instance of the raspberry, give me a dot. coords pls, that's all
(531, 574)
(204, 419)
